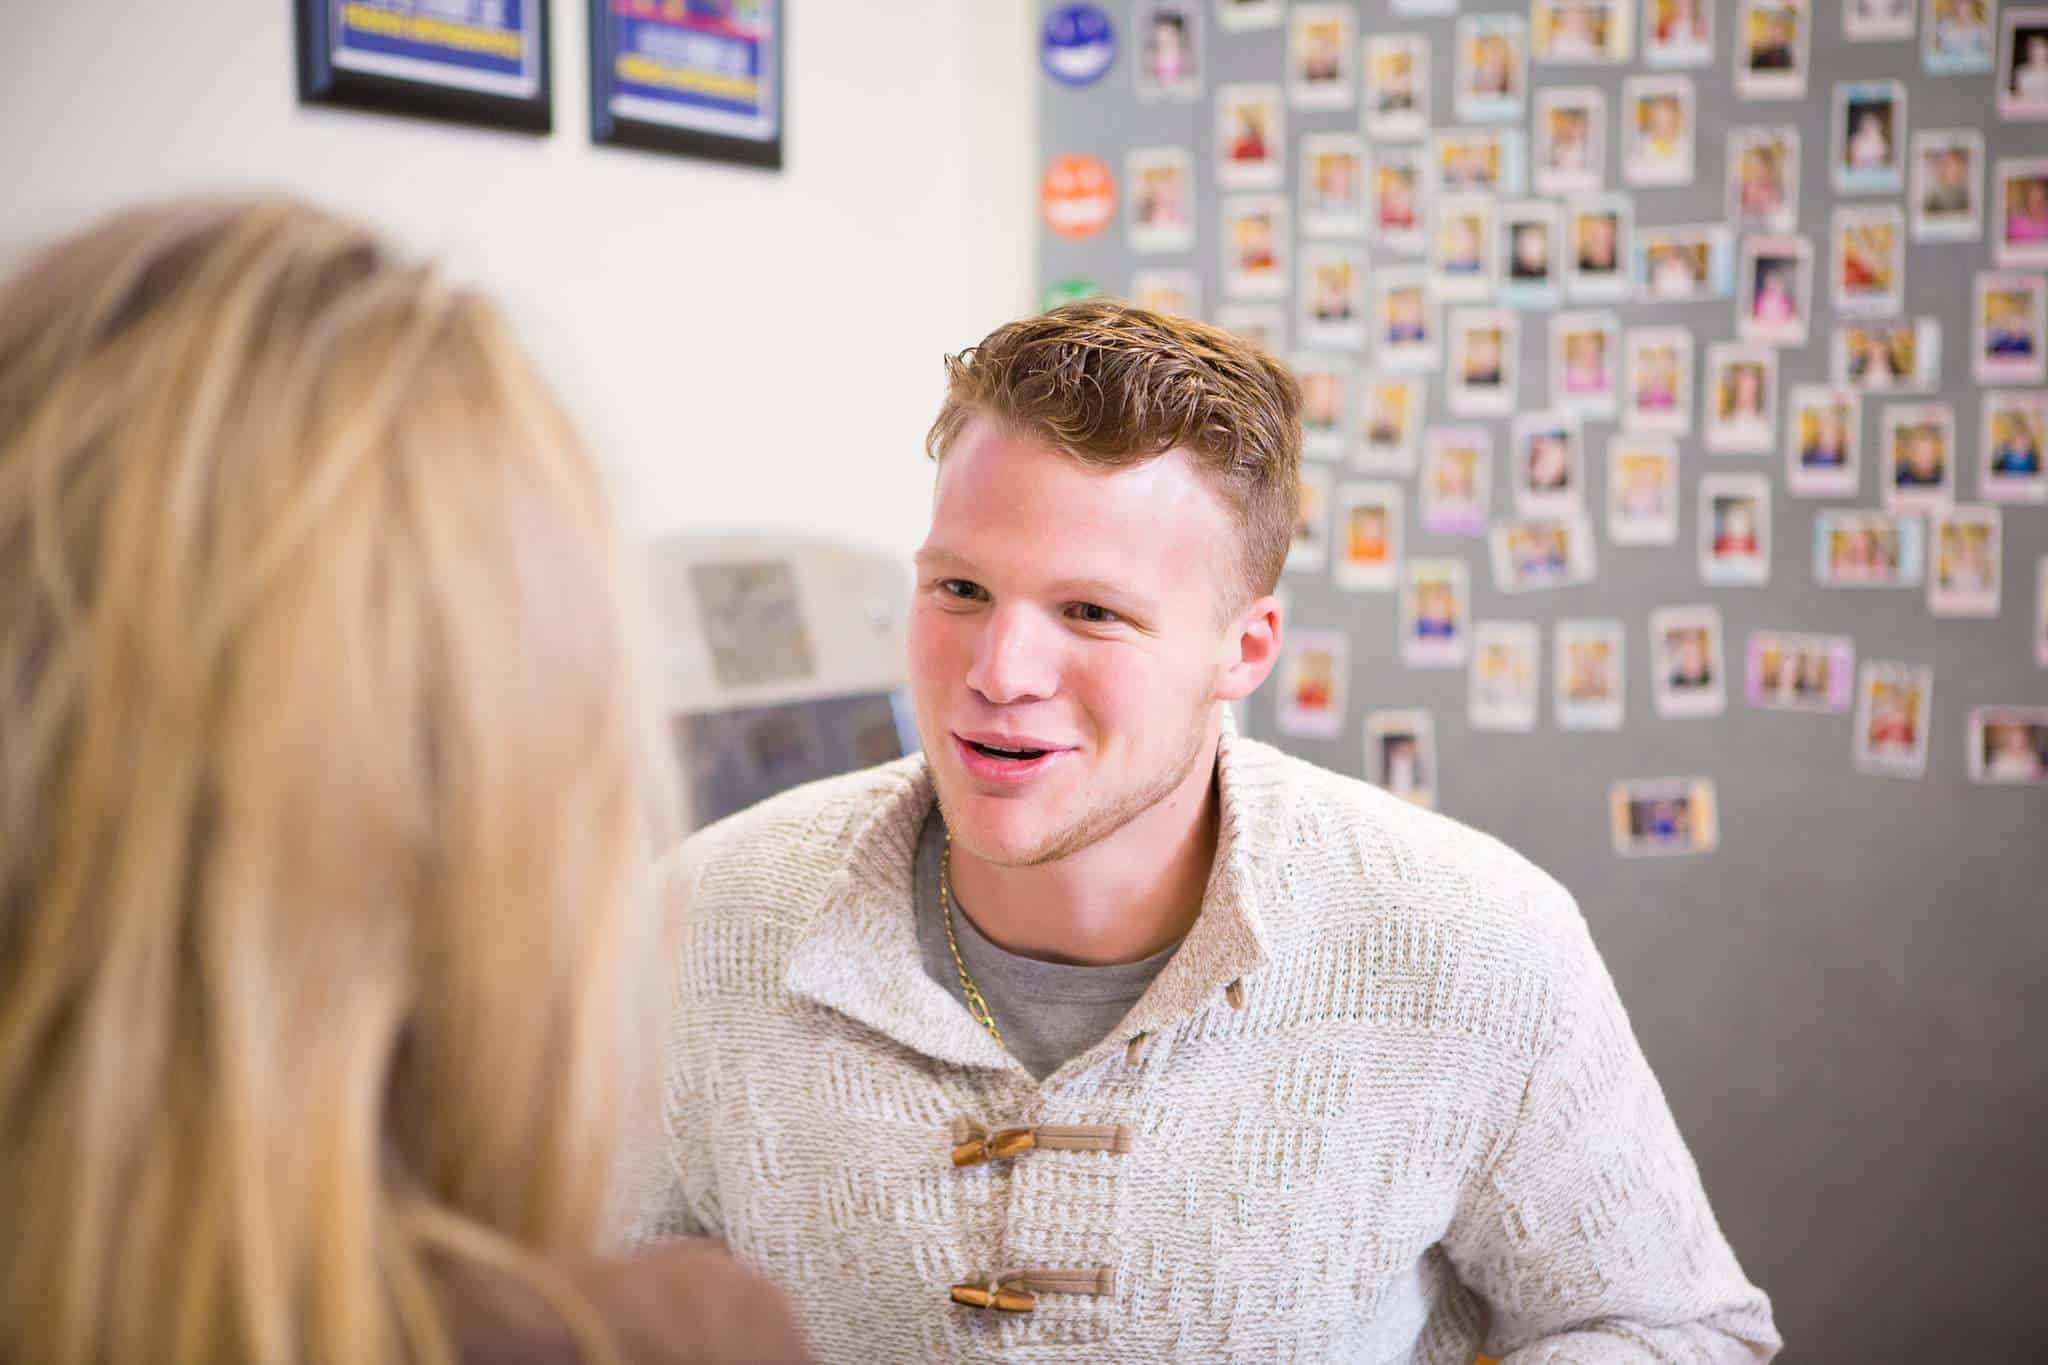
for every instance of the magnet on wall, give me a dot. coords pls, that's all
(1077, 195)
(1070, 290)
(1078, 45)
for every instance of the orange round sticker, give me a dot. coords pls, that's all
(1077, 196)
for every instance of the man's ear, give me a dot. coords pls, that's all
(1251, 646)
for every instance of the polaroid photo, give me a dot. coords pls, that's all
(1313, 669)
(1657, 382)
(1400, 755)
(2009, 745)
(1255, 243)
(1663, 816)
(1571, 139)
(1588, 687)
(1871, 21)
(1462, 247)
(1823, 445)
(2013, 463)
(1332, 185)
(1742, 391)
(1763, 179)
(1368, 536)
(1161, 183)
(1501, 690)
(2041, 613)
(2010, 340)
(1902, 356)
(1893, 704)
(1531, 254)
(1870, 259)
(1251, 137)
(1390, 423)
(1790, 672)
(1332, 296)
(1918, 457)
(1263, 325)
(1436, 613)
(1658, 119)
(1322, 47)
(1245, 16)
(1479, 161)
(1859, 548)
(1957, 39)
(1325, 403)
(1492, 68)
(1176, 293)
(1309, 552)
(1548, 466)
(1948, 185)
(1642, 489)
(1772, 41)
(1399, 191)
(2021, 213)
(1685, 662)
(1678, 33)
(2023, 67)
(752, 620)
(1965, 542)
(1404, 319)
(1570, 32)
(1457, 469)
(1735, 530)
(1486, 349)
(1533, 553)
(1397, 95)
(1169, 65)
(1684, 264)
(1597, 245)
(1774, 290)
(1585, 363)
(1870, 137)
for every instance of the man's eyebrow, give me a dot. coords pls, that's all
(935, 556)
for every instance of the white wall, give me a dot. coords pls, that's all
(746, 348)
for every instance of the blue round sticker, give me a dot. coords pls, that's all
(1078, 46)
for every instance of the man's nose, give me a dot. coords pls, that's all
(1016, 658)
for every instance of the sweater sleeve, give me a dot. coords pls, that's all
(1588, 1233)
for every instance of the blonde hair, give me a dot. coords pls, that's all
(325, 801)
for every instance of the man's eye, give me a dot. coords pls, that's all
(1094, 615)
(960, 588)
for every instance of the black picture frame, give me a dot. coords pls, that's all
(331, 74)
(682, 131)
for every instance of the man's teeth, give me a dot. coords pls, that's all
(1009, 753)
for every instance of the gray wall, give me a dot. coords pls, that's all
(1845, 1002)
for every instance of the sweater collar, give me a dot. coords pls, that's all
(859, 954)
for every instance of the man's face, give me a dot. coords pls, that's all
(1076, 614)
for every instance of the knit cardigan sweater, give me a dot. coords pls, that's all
(1383, 1105)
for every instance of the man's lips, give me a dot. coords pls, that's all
(1006, 759)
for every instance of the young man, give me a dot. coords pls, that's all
(1096, 1027)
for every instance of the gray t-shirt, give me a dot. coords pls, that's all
(1048, 1012)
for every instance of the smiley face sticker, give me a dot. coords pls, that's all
(1077, 195)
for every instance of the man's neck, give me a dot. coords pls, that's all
(1124, 898)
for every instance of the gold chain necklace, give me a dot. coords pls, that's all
(976, 1006)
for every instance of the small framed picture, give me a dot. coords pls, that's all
(1823, 455)
(673, 78)
(1531, 553)
(2009, 745)
(1742, 383)
(1870, 259)
(1505, 678)
(1310, 550)
(2012, 318)
(1457, 466)
(1684, 264)
(1462, 250)
(1657, 389)
(1390, 423)
(2013, 463)
(1859, 548)
(1663, 816)
(1397, 99)
(1735, 530)
(1332, 185)
(1161, 184)
(1893, 702)
(1368, 536)
(1587, 682)
(1571, 139)
(1597, 230)
(1585, 363)
(1763, 179)
(1967, 554)
(1642, 489)
(1870, 134)
(1255, 243)
(1492, 68)
(1948, 185)
(1919, 469)
(1531, 253)
(1772, 40)
(1659, 119)
(1246, 16)
(1400, 755)
(1787, 672)
(2023, 70)
(1956, 39)
(1263, 325)
(1332, 296)
(1869, 21)
(1251, 137)
(2021, 212)
(1902, 356)
(1563, 32)
(1404, 318)
(1685, 662)
(1399, 178)
(1169, 65)
(1479, 160)
(1176, 293)
(1325, 403)
(1678, 32)
(1436, 613)
(1313, 674)
(483, 65)
(1774, 290)
(1322, 44)
(1549, 468)
(1485, 349)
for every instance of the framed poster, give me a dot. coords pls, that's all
(699, 77)
(478, 61)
